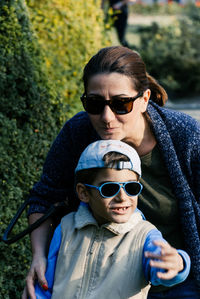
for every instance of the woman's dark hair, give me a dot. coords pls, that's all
(125, 61)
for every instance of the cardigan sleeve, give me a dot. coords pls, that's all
(195, 167)
(178, 136)
(151, 272)
(57, 180)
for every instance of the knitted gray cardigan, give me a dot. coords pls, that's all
(178, 136)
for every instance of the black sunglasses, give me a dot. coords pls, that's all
(119, 105)
(111, 189)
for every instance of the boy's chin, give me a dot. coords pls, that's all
(121, 219)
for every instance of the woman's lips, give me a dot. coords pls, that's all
(109, 130)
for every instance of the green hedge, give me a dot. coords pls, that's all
(69, 32)
(29, 120)
(41, 65)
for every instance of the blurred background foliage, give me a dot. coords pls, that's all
(69, 33)
(167, 37)
(43, 48)
(172, 53)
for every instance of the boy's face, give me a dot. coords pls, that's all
(118, 208)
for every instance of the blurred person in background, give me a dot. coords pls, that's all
(120, 18)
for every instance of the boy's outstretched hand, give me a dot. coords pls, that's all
(168, 259)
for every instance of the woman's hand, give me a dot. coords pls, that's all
(40, 239)
(169, 260)
(37, 271)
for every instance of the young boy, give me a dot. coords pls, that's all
(106, 249)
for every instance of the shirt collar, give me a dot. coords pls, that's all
(84, 217)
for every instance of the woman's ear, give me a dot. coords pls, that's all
(82, 192)
(146, 97)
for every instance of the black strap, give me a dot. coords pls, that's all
(52, 210)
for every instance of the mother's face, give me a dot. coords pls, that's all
(110, 125)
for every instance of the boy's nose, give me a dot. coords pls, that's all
(121, 196)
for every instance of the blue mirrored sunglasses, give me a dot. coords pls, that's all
(110, 189)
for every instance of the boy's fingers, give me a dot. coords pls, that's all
(150, 254)
(167, 275)
(165, 247)
(162, 265)
(166, 251)
(161, 243)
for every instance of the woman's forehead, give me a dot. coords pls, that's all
(114, 82)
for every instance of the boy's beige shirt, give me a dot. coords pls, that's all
(101, 262)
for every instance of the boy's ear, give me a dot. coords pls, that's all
(82, 192)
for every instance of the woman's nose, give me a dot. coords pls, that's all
(107, 114)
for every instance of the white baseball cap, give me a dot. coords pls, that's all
(92, 156)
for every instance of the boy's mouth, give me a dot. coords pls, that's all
(120, 209)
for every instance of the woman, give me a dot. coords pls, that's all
(123, 102)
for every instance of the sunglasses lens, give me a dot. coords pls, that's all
(121, 107)
(109, 189)
(93, 106)
(96, 106)
(133, 188)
